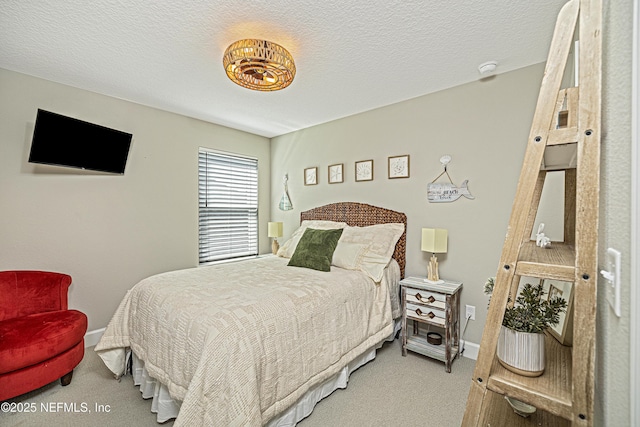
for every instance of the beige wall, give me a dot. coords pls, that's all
(106, 231)
(483, 125)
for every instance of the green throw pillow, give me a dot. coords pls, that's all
(315, 249)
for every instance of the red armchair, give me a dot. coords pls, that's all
(40, 339)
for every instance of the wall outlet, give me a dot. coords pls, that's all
(471, 312)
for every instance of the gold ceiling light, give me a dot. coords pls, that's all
(259, 65)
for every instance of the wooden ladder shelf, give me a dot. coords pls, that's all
(563, 119)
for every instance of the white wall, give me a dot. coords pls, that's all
(483, 125)
(613, 333)
(107, 231)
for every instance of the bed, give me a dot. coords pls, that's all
(259, 342)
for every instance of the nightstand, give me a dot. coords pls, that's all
(432, 309)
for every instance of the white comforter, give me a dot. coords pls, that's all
(239, 343)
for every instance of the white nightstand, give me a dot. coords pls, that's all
(432, 308)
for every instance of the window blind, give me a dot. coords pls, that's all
(228, 206)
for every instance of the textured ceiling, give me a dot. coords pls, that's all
(351, 56)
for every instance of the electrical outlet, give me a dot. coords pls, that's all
(471, 312)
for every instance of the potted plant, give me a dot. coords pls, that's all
(521, 342)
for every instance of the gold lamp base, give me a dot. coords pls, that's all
(275, 246)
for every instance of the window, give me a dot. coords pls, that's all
(228, 206)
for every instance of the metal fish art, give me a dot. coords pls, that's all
(447, 192)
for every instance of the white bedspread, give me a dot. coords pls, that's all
(239, 343)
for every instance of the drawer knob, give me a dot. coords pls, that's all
(430, 315)
(425, 300)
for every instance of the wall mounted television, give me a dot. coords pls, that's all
(64, 141)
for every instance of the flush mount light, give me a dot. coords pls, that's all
(259, 65)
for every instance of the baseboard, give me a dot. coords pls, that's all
(91, 338)
(470, 349)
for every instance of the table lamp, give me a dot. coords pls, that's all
(434, 240)
(275, 231)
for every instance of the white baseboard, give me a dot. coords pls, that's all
(470, 349)
(91, 338)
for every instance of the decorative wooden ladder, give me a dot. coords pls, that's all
(564, 394)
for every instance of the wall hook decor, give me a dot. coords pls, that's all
(448, 191)
(285, 201)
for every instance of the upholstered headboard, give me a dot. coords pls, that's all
(362, 215)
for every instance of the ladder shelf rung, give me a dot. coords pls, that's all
(556, 262)
(550, 392)
(497, 412)
(563, 136)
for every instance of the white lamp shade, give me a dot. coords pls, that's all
(275, 229)
(434, 240)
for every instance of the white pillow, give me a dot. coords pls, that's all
(381, 241)
(289, 247)
(348, 255)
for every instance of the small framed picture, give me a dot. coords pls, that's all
(554, 292)
(336, 173)
(311, 176)
(399, 167)
(563, 331)
(364, 170)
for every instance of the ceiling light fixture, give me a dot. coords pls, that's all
(259, 65)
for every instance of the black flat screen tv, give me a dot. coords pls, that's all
(64, 141)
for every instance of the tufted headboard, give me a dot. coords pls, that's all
(362, 215)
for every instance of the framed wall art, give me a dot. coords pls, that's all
(311, 176)
(364, 170)
(336, 173)
(563, 331)
(399, 167)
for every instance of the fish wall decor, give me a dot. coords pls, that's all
(447, 192)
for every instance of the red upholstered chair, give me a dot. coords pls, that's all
(40, 339)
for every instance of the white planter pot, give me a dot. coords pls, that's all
(521, 352)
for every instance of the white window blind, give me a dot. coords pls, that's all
(228, 206)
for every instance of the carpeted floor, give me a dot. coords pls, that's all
(389, 391)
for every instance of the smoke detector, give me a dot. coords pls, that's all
(487, 68)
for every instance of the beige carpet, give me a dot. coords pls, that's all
(389, 391)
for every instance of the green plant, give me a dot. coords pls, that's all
(488, 289)
(530, 313)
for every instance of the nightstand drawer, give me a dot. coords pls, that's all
(426, 314)
(432, 299)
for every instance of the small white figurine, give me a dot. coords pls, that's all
(542, 240)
